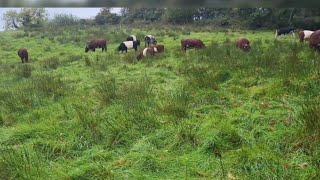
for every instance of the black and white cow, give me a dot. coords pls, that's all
(149, 40)
(131, 38)
(124, 46)
(284, 31)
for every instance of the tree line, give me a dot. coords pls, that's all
(248, 18)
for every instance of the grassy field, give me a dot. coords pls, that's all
(216, 113)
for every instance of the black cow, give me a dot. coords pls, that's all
(284, 31)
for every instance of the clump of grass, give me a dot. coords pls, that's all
(17, 98)
(173, 34)
(96, 170)
(227, 41)
(52, 149)
(149, 163)
(129, 57)
(259, 163)
(107, 89)
(89, 121)
(87, 61)
(21, 163)
(176, 103)
(50, 85)
(310, 117)
(73, 57)
(24, 70)
(203, 76)
(186, 135)
(51, 63)
(292, 66)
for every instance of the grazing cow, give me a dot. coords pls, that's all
(96, 43)
(149, 40)
(284, 31)
(131, 38)
(124, 46)
(23, 54)
(152, 50)
(244, 44)
(191, 43)
(304, 35)
(314, 41)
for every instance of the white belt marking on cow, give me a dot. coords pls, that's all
(155, 49)
(307, 34)
(144, 52)
(129, 44)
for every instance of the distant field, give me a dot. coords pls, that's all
(205, 114)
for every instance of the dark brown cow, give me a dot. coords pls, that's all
(96, 43)
(191, 43)
(150, 51)
(244, 44)
(314, 41)
(23, 54)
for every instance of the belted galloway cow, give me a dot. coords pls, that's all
(305, 35)
(124, 46)
(150, 51)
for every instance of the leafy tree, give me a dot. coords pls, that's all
(64, 20)
(180, 15)
(106, 17)
(143, 14)
(26, 17)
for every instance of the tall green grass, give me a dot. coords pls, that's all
(208, 113)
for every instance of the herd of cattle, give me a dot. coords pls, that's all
(152, 48)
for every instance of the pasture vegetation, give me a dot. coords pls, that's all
(207, 114)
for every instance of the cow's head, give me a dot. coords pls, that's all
(86, 49)
(140, 56)
(246, 47)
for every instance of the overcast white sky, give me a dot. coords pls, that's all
(80, 12)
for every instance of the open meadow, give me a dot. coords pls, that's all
(214, 113)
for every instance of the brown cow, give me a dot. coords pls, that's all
(314, 41)
(96, 43)
(244, 44)
(23, 54)
(158, 48)
(191, 43)
(304, 35)
(150, 51)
